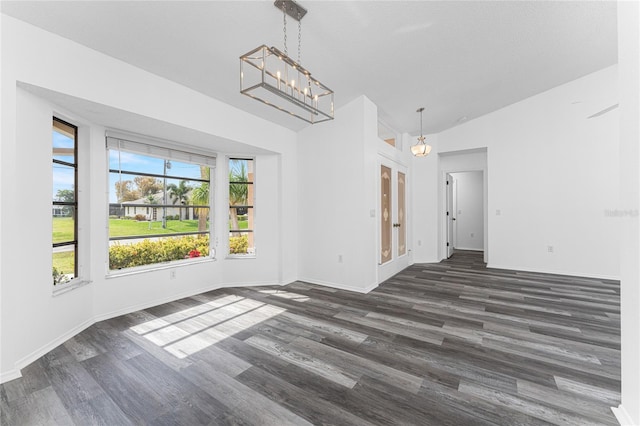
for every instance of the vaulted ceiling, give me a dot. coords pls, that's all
(458, 59)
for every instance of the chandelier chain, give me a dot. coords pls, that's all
(299, 35)
(284, 26)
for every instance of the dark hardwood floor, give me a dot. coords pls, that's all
(451, 343)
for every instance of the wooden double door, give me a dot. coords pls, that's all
(393, 219)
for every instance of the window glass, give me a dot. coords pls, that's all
(158, 209)
(241, 206)
(64, 202)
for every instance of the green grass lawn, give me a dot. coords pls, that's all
(127, 228)
(242, 224)
(63, 261)
(63, 227)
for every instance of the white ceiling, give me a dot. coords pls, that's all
(458, 59)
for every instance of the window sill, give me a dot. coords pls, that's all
(240, 256)
(157, 267)
(65, 288)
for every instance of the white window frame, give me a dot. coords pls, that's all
(230, 255)
(82, 206)
(169, 150)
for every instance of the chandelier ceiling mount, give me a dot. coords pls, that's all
(292, 8)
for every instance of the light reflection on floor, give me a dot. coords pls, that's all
(286, 295)
(188, 331)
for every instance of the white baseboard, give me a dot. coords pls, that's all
(339, 286)
(43, 350)
(251, 284)
(155, 302)
(178, 296)
(623, 416)
(565, 273)
(7, 376)
(418, 261)
(371, 287)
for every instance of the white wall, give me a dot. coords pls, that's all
(552, 173)
(336, 192)
(469, 212)
(424, 205)
(43, 75)
(629, 205)
(3, 306)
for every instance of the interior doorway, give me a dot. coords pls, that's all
(450, 217)
(467, 212)
(455, 167)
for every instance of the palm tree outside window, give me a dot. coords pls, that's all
(241, 206)
(180, 194)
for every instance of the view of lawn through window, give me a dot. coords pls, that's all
(241, 206)
(159, 204)
(65, 202)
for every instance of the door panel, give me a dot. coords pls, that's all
(402, 222)
(449, 216)
(393, 221)
(386, 214)
(454, 214)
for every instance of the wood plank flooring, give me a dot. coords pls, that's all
(442, 344)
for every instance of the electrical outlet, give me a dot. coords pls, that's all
(339, 258)
(550, 249)
(172, 274)
(472, 235)
(419, 242)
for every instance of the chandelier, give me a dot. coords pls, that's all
(420, 149)
(269, 75)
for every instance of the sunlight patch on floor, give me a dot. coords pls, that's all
(188, 331)
(286, 295)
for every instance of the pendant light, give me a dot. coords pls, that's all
(420, 149)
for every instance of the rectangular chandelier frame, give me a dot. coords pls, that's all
(271, 77)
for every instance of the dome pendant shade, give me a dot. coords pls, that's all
(421, 149)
